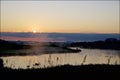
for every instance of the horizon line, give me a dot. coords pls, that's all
(61, 32)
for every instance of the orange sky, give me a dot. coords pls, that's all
(60, 16)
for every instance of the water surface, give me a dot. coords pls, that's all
(87, 56)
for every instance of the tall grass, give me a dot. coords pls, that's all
(84, 60)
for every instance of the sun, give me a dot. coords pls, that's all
(34, 31)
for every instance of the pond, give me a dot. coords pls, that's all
(85, 57)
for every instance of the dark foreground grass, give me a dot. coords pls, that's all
(66, 72)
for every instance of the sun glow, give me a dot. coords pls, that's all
(34, 31)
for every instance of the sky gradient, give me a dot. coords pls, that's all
(60, 16)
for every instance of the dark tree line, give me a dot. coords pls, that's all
(109, 43)
(9, 45)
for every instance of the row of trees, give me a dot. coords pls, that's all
(109, 43)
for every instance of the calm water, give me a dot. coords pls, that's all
(87, 56)
(56, 37)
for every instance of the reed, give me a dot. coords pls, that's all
(116, 62)
(49, 60)
(84, 60)
(109, 59)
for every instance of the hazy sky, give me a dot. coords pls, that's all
(60, 16)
